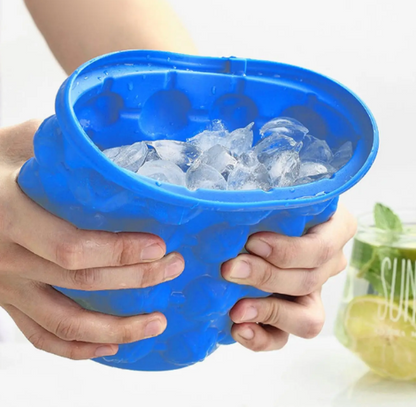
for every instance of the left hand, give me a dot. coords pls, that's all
(295, 268)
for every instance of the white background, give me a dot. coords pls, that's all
(305, 374)
(368, 45)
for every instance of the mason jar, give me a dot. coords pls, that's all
(377, 314)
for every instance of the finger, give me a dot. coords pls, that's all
(251, 270)
(259, 338)
(26, 264)
(16, 142)
(304, 320)
(311, 250)
(67, 320)
(44, 340)
(62, 243)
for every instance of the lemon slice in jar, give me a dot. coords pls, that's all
(383, 335)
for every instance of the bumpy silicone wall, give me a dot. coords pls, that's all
(137, 95)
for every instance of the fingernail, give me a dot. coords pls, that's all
(105, 351)
(173, 269)
(240, 270)
(259, 247)
(152, 252)
(246, 333)
(249, 314)
(153, 328)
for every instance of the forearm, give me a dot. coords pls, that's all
(79, 30)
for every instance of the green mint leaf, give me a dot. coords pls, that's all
(362, 253)
(369, 266)
(371, 271)
(386, 219)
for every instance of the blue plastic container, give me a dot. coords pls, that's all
(143, 95)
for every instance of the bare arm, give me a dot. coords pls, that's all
(79, 30)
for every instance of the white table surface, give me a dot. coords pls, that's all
(312, 373)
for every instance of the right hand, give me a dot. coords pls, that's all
(39, 250)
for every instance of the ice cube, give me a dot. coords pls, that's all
(311, 171)
(218, 158)
(247, 178)
(152, 155)
(163, 171)
(273, 145)
(204, 176)
(249, 159)
(239, 141)
(308, 180)
(180, 153)
(342, 155)
(315, 149)
(286, 126)
(112, 153)
(284, 168)
(129, 157)
(218, 126)
(207, 139)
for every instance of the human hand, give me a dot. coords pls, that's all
(295, 268)
(38, 250)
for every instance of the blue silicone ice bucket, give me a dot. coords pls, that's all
(129, 96)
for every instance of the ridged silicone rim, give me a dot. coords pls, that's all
(219, 200)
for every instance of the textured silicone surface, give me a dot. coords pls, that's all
(140, 95)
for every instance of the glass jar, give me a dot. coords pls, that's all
(377, 316)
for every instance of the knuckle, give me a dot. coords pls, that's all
(283, 341)
(286, 253)
(258, 346)
(123, 249)
(73, 352)
(342, 263)
(326, 250)
(37, 340)
(312, 327)
(128, 334)
(147, 275)
(68, 329)
(310, 283)
(6, 262)
(272, 313)
(85, 279)
(266, 277)
(142, 278)
(69, 254)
